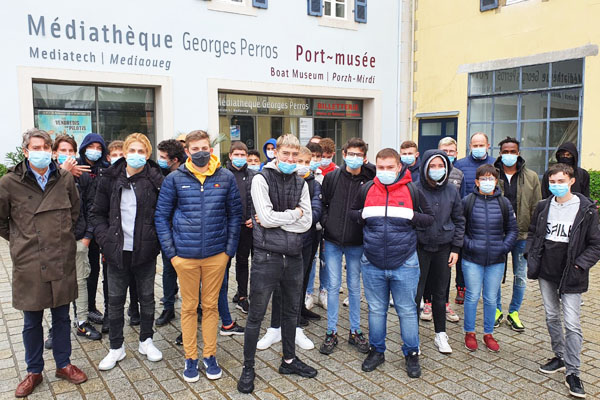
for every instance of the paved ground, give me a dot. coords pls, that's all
(511, 373)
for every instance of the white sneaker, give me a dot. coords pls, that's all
(346, 302)
(309, 301)
(323, 299)
(148, 349)
(341, 289)
(111, 360)
(303, 341)
(272, 336)
(391, 301)
(441, 341)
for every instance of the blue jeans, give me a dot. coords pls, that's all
(333, 261)
(480, 278)
(169, 281)
(33, 338)
(520, 280)
(402, 282)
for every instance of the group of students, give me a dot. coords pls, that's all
(403, 223)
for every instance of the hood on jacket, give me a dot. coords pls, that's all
(89, 139)
(271, 141)
(426, 158)
(571, 148)
(213, 165)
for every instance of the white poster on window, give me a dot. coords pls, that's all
(306, 130)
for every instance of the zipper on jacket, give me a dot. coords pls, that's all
(346, 213)
(487, 236)
(387, 195)
(202, 187)
(204, 220)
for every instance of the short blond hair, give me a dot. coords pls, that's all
(195, 136)
(115, 145)
(288, 140)
(304, 151)
(137, 137)
(447, 141)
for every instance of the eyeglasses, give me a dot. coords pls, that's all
(351, 154)
(487, 179)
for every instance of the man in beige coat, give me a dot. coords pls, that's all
(39, 205)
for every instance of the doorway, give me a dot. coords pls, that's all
(339, 130)
(433, 129)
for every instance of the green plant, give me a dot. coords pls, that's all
(3, 170)
(595, 185)
(15, 157)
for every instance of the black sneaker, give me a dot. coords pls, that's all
(179, 340)
(306, 313)
(303, 322)
(575, 386)
(553, 365)
(331, 340)
(243, 305)
(373, 360)
(358, 340)
(134, 317)
(105, 326)
(246, 381)
(87, 330)
(165, 317)
(297, 367)
(413, 369)
(96, 317)
(48, 342)
(234, 329)
(236, 298)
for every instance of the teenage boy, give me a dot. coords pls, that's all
(328, 148)
(562, 245)
(567, 154)
(315, 161)
(269, 150)
(283, 213)
(478, 156)
(522, 187)
(198, 219)
(391, 207)
(115, 151)
(409, 155)
(253, 160)
(344, 237)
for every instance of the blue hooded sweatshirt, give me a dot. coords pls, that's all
(102, 162)
(274, 143)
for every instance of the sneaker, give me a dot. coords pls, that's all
(451, 316)
(426, 314)
(498, 318)
(272, 336)
(213, 371)
(297, 367)
(179, 340)
(346, 302)
(112, 358)
(306, 313)
(491, 343)
(470, 341)
(358, 340)
(233, 329)
(323, 299)
(303, 341)
(331, 340)
(134, 317)
(341, 290)
(105, 325)
(302, 321)
(373, 360)
(391, 301)
(147, 348)
(165, 317)
(309, 301)
(515, 323)
(460, 295)
(413, 369)
(575, 386)
(96, 317)
(236, 298)
(190, 373)
(243, 305)
(87, 330)
(441, 341)
(553, 365)
(246, 381)
(48, 342)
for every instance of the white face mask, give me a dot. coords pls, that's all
(326, 161)
(270, 154)
(302, 170)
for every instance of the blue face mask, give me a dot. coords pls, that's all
(40, 159)
(509, 159)
(286, 168)
(238, 162)
(314, 165)
(479, 152)
(93, 155)
(254, 167)
(386, 177)
(451, 158)
(164, 164)
(487, 187)
(408, 159)
(114, 160)
(135, 160)
(62, 158)
(354, 162)
(559, 189)
(437, 174)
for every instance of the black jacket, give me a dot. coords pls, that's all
(106, 212)
(582, 178)
(243, 178)
(83, 226)
(340, 188)
(583, 249)
(448, 226)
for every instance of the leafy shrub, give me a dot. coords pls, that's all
(15, 157)
(595, 185)
(3, 170)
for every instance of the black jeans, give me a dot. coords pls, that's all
(435, 271)
(241, 261)
(270, 271)
(169, 280)
(119, 279)
(459, 280)
(33, 338)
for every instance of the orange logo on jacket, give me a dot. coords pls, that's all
(217, 185)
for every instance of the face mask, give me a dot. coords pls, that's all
(62, 158)
(408, 159)
(353, 162)
(114, 160)
(386, 177)
(238, 162)
(451, 158)
(286, 168)
(135, 160)
(326, 161)
(509, 159)
(254, 167)
(479, 152)
(302, 170)
(164, 164)
(565, 160)
(487, 186)
(270, 154)
(314, 165)
(437, 174)
(201, 158)
(559, 189)
(40, 159)
(93, 155)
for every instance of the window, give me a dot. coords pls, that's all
(540, 105)
(335, 8)
(485, 5)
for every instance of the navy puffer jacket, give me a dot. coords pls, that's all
(195, 220)
(487, 240)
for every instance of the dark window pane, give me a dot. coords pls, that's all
(563, 131)
(534, 106)
(118, 124)
(534, 76)
(564, 104)
(480, 82)
(481, 110)
(533, 134)
(73, 97)
(501, 131)
(505, 108)
(535, 159)
(507, 80)
(568, 72)
(120, 98)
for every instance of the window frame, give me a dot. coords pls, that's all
(333, 8)
(483, 7)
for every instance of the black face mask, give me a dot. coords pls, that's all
(566, 160)
(201, 158)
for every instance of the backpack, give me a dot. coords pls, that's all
(469, 207)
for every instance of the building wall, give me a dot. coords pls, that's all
(454, 37)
